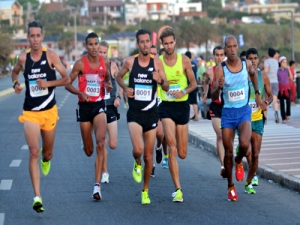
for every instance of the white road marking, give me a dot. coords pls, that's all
(297, 176)
(2, 217)
(279, 153)
(290, 170)
(25, 147)
(282, 158)
(6, 184)
(15, 163)
(281, 164)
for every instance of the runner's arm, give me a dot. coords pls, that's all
(218, 83)
(122, 72)
(268, 89)
(56, 63)
(190, 74)
(15, 72)
(205, 86)
(76, 71)
(161, 71)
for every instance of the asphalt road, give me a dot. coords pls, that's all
(67, 190)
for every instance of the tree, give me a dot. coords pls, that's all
(75, 3)
(185, 31)
(6, 48)
(34, 3)
(66, 41)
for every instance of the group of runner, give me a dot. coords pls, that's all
(157, 92)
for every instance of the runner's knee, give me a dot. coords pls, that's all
(182, 154)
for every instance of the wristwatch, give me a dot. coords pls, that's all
(267, 103)
(14, 84)
(257, 92)
(162, 82)
(184, 92)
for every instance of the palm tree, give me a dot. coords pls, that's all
(66, 41)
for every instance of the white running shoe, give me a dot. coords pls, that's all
(97, 193)
(105, 178)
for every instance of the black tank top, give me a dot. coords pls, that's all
(141, 80)
(36, 98)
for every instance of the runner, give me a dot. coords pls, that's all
(40, 112)
(112, 101)
(257, 123)
(174, 111)
(162, 51)
(271, 68)
(215, 108)
(233, 79)
(146, 71)
(93, 76)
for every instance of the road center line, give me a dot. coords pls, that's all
(2, 217)
(6, 184)
(25, 147)
(15, 163)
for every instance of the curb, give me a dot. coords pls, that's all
(9, 91)
(263, 171)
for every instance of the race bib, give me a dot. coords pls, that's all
(173, 88)
(236, 94)
(92, 89)
(253, 105)
(143, 92)
(107, 95)
(35, 90)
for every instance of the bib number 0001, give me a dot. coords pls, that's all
(142, 92)
(35, 90)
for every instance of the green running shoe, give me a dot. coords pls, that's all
(45, 167)
(38, 204)
(254, 181)
(177, 196)
(237, 149)
(137, 172)
(145, 198)
(249, 189)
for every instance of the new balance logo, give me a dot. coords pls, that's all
(154, 125)
(43, 62)
(150, 69)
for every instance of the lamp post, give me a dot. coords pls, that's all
(292, 28)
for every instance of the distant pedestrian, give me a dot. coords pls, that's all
(292, 82)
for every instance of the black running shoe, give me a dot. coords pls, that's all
(152, 174)
(159, 155)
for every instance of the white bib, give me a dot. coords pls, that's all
(107, 95)
(173, 88)
(35, 90)
(92, 87)
(253, 105)
(236, 94)
(142, 92)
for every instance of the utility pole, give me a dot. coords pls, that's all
(75, 36)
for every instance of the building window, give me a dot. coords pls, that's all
(192, 9)
(163, 7)
(153, 7)
(180, 9)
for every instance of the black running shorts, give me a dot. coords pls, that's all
(112, 113)
(215, 110)
(87, 111)
(179, 112)
(147, 120)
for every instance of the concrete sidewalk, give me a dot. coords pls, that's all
(279, 159)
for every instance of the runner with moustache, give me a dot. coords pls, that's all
(146, 72)
(233, 79)
(215, 108)
(40, 113)
(257, 123)
(112, 101)
(174, 110)
(93, 77)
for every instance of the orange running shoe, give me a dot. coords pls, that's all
(232, 195)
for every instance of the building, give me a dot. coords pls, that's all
(157, 9)
(104, 12)
(11, 13)
(185, 11)
(135, 12)
(269, 8)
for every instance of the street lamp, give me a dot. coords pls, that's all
(292, 28)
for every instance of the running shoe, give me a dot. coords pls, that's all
(159, 155)
(137, 172)
(152, 173)
(237, 149)
(177, 196)
(232, 195)
(239, 171)
(223, 172)
(249, 189)
(276, 117)
(254, 181)
(165, 163)
(97, 193)
(105, 178)
(126, 105)
(38, 204)
(145, 200)
(45, 167)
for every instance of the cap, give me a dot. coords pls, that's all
(281, 58)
